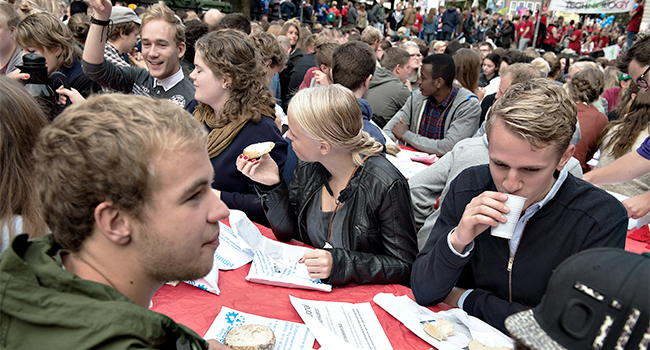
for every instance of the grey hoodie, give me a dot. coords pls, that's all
(461, 123)
(386, 94)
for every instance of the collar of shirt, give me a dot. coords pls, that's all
(521, 224)
(170, 81)
(448, 100)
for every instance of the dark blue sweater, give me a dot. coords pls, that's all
(580, 216)
(237, 190)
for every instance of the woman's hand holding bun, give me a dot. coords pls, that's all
(263, 170)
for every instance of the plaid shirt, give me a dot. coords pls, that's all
(434, 116)
(112, 55)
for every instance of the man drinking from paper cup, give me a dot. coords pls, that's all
(529, 131)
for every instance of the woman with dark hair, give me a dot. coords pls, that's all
(585, 88)
(430, 26)
(623, 136)
(234, 101)
(21, 120)
(575, 39)
(506, 35)
(490, 67)
(345, 199)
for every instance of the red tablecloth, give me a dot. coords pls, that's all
(197, 309)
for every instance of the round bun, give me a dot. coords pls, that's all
(256, 150)
(476, 345)
(250, 337)
(440, 329)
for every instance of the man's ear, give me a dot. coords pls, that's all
(566, 156)
(181, 50)
(324, 147)
(366, 83)
(113, 223)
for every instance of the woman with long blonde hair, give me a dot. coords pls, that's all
(345, 199)
(234, 101)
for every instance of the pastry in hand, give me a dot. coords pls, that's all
(256, 150)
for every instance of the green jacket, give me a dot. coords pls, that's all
(42, 306)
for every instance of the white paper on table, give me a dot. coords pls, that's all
(402, 161)
(467, 327)
(276, 264)
(342, 326)
(288, 335)
(632, 223)
(233, 251)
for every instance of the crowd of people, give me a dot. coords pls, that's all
(120, 187)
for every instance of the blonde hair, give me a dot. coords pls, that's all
(332, 114)
(103, 149)
(8, 14)
(611, 77)
(161, 11)
(44, 31)
(539, 111)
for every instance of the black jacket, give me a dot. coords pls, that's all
(379, 232)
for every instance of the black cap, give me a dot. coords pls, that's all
(596, 299)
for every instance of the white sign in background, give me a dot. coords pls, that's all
(592, 6)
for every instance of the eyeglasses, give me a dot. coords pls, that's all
(418, 55)
(643, 84)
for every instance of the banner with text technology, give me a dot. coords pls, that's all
(592, 6)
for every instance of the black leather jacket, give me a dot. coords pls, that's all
(380, 231)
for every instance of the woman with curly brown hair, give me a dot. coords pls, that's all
(21, 120)
(234, 101)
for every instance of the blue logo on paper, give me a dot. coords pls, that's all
(234, 318)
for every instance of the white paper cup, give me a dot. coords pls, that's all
(507, 229)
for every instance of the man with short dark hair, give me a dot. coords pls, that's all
(485, 48)
(435, 118)
(236, 21)
(529, 132)
(388, 92)
(353, 65)
(124, 184)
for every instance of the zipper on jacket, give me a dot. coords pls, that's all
(511, 262)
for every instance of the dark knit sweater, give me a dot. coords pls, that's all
(578, 217)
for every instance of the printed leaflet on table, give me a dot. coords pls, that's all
(342, 326)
